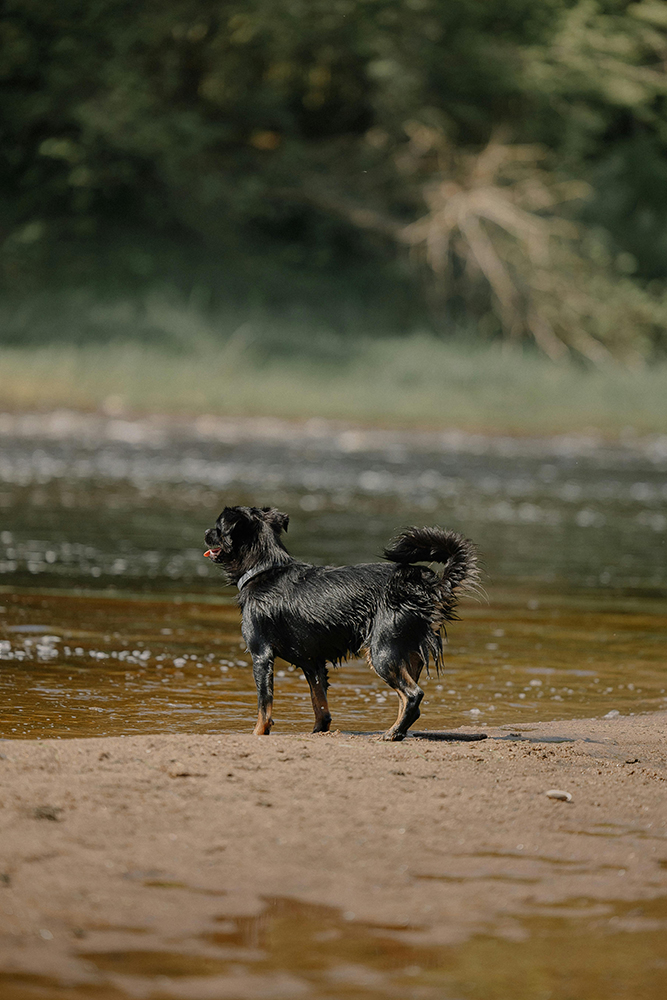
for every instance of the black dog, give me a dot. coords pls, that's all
(309, 615)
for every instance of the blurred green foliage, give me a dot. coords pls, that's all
(271, 153)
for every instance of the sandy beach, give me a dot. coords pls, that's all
(113, 844)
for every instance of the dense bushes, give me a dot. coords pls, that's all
(497, 166)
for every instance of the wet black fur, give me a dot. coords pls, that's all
(393, 612)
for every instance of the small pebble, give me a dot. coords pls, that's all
(558, 793)
(54, 813)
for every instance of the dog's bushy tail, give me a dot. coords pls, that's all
(457, 554)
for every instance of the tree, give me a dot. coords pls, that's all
(313, 132)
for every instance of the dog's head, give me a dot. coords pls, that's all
(244, 537)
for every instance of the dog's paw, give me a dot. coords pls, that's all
(392, 736)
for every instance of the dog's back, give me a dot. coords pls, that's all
(311, 613)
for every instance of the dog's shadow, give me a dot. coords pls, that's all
(424, 734)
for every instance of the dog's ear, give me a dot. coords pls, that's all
(275, 518)
(232, 515)
(235, 524)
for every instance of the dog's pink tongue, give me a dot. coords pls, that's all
(211, 552)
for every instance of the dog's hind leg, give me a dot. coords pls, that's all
(415, 666)
(317, 676)
(262, 670)
(402, 677)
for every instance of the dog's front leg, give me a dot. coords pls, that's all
(318, 682)
(262, 670)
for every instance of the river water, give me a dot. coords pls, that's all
(114, 623)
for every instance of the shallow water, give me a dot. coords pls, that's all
(93, 665)
(114, 623)
(583, 948)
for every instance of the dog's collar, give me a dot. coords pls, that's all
(255, 572)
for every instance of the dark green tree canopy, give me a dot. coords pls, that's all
(315, 131)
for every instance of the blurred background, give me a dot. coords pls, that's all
(428, 211)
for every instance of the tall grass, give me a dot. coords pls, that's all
(417, 380)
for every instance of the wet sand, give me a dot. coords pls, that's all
(148, 844)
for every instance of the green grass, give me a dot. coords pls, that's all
(394, 381)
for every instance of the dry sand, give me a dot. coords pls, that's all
(105, 839)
